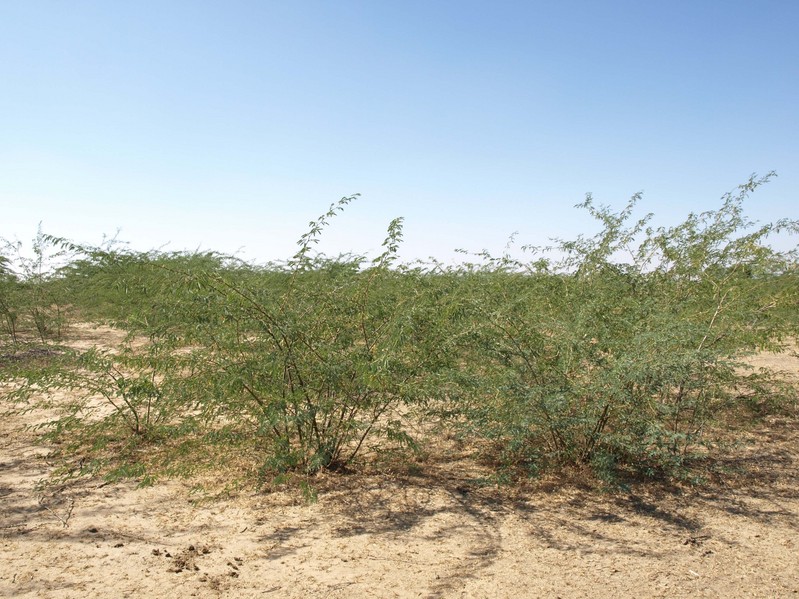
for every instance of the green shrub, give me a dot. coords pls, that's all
(616, 352)
(32, 292)
(622, 365)
(314, 359)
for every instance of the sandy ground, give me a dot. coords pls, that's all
(431, 535)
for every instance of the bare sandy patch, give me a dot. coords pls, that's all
(439, 533)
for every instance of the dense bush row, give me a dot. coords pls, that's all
(615, 351)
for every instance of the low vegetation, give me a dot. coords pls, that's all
(621, 353)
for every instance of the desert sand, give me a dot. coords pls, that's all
(426, 533)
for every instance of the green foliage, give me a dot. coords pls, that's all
(622, 365)
(315, 358)
(617, 352)
(32, 291)
(9, 314)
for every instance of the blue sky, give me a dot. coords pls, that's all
(229, 125)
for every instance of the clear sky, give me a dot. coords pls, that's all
(229, 125)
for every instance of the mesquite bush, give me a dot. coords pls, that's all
(620, 351)
(312, 360)
(617, 351)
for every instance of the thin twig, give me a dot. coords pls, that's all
(65, 520)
